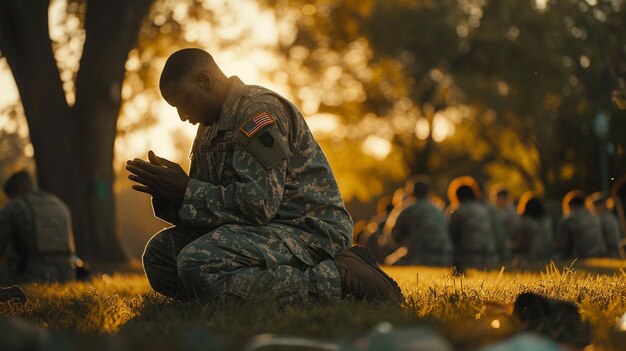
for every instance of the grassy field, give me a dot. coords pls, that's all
(120, 312)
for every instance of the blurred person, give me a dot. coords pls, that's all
(421, 231)
(358, 233)
(601, 206)
(402, 198)
(506, 211)
(580, 233)
(472, 227)
(260, 216)
(36, 232)
(533, 240)
(373, 238)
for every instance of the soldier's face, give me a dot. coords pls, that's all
(193, 99)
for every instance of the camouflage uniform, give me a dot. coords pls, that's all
(500, 233)
(262, 215)
(611, 232)
(473, 236)
(423, 230)
(37, 231)
(580, 235)
(534, 239)
(509, 220)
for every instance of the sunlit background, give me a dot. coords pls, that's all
(508, 92)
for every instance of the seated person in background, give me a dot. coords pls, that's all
(506, 212)
(533, 240)
(579, 234)
(36, 227)
(475, 240)
(373, 238)
(608, 222)
(420, 232)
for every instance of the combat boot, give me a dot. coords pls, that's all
(12, 293)
(362, 279)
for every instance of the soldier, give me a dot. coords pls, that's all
(476, 243)
(260, 216)
(533, 240)
(373, 238)
(506, 211)
(421, 231)
(579, 234)
(608, 222)
(36, 227)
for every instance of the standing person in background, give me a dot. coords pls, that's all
(420, 232)
(533, 240)
(579, 234)
(608, 222)
(476, 243)
(36, 228)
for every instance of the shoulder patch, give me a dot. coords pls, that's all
(254, 124)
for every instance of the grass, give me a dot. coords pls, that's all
(120, 310)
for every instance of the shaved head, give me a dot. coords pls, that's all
(184, 62)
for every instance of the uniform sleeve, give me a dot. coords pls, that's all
(256, 194)
(166, 209)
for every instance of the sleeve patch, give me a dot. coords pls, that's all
(256, 123)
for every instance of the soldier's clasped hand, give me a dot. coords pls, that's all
(159, 177)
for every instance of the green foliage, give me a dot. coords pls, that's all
(124, 311)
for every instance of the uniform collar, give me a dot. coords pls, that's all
(227, 118)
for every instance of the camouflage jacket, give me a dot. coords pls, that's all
(422, 228)
(612, 233)
(37, 230)
(580, 235)
(473, 235)
(260, 165)
(533, 239)
(509, 220)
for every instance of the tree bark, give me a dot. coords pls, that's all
(74, 145)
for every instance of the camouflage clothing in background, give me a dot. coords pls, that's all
(509, 221)
(534, 239)
(473, 236)
(423, 230)
(611, 232)
(580, 235)
(374, 240)
(262, 215)
(36, 230)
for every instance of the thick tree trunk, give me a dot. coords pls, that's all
(74, 145)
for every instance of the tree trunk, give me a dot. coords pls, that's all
(74, 145)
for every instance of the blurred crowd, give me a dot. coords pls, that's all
(414, 226)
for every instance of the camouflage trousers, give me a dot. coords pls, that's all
(246, 262)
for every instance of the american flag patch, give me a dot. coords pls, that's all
(256, 123)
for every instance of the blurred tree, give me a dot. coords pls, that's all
(15, 148)
(504, 91)
(73, 136)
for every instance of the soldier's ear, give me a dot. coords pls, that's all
(205, 81)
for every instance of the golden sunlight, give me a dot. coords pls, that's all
(376, 147)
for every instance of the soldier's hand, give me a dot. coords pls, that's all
(159, 177)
